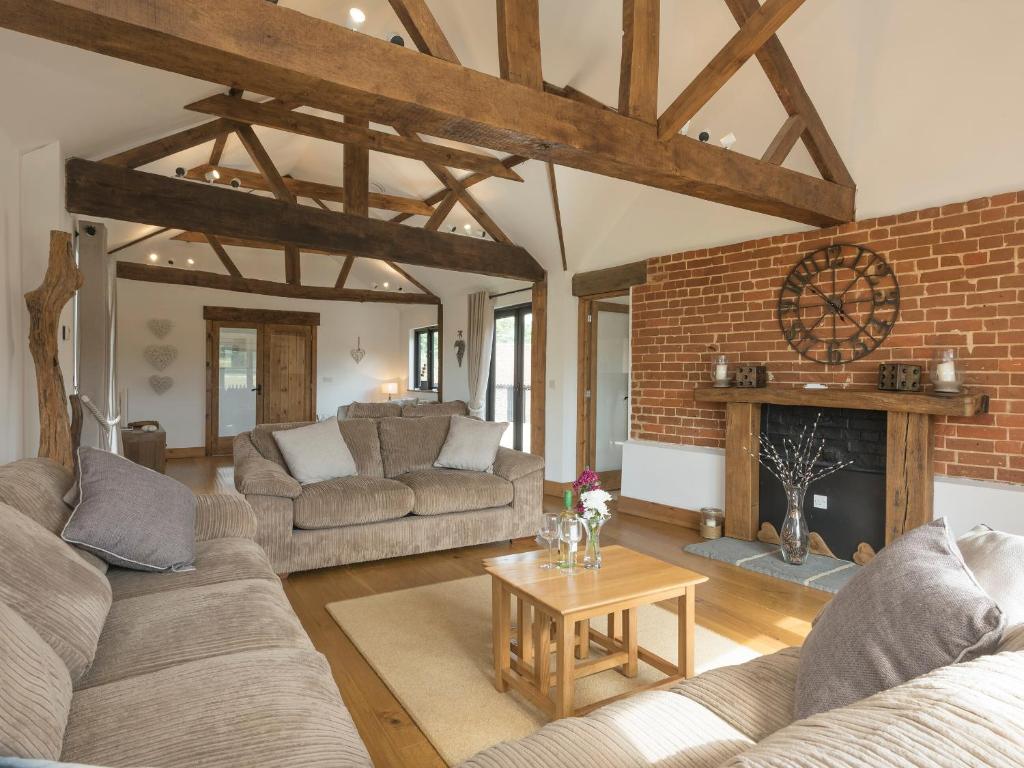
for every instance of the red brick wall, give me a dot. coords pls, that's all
(961, 274)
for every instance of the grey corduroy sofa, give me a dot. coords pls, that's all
(398, 503)
(203, 668)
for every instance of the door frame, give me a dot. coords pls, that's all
(518, 311)
(242, 317)
(586, 377)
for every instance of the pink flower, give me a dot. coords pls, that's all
(589, 480)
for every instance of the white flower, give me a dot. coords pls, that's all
(595, 502)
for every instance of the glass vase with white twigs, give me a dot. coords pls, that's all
(795, 464)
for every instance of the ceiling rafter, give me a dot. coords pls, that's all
(519, 42)
(222, 254)
(638, 71)
(553, 187)
(346, 267)
(758, 28)
(786, 138)
(424, 30)
(217, 152)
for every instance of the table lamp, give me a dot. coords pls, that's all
(389, 388)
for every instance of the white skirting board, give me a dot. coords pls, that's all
(691, 477)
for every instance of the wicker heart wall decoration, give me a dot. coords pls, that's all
(358, 353)
(160, 326)
(160, 355)
(160, 384)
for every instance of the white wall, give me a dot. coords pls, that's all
(12, 340)
(182, 409)
(690, 477)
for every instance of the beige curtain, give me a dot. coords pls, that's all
(479, 338)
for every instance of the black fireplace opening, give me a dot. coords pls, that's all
(855, 495)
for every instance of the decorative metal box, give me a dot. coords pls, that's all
(751, 376)
(899, 377)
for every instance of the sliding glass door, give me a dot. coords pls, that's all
(508, 391)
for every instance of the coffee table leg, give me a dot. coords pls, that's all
(629, 641)
(524, 632)
(614, 625)
(564, 666)
(687, 615)
(501, 608)
(583, 639)
(542, 651)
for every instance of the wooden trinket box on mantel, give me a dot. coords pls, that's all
(909, 471)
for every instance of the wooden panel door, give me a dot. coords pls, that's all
(288, 375)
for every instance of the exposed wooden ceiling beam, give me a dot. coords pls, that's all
(754, 33)
(519, 42)
(96, 189)
(169, 145)
(292, 265)
(290, 55)
(346, 267)
(785, 140)
(222, 254)
(441, 211)
(138, 240)
(261, 159)
(244, 242)
(128, 270)
(569, 92)
(310, 189)
(794, 97)
(553, 186)
(281, 118)
(356, 173)
(405, 273)
(638, 72)
(424, 30)
(222, 141)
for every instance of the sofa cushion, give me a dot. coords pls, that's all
(912, 609)
(755, 698)
(471, 444)
(373, 410)
(315, 452)
(36, 691)
(223, 516)
(36, 488)
(453, 490)
(350, 501)
(217, 561)
(408, 445)
(362, 439)
(271, 708)
(262, 437)
(152, 632)
(451, 408)
(959, 715)
(130, 515)
(58, 595)
(656, 728)
(997, 561)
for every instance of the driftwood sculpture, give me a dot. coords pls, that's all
(44, 307)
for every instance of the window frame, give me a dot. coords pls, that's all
(432, 333)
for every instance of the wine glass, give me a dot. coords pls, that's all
(571, 532)
(549, 532)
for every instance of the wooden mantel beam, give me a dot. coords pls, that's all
(97, 189)
(757, 30)
(295, 57)
(128, 270)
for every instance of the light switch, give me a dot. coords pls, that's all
(820, 502)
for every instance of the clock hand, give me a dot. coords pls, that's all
(831, 304)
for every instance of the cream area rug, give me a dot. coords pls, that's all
(432, 647)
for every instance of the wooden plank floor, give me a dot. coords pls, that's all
(763, 613)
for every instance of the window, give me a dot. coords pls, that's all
(426, 347)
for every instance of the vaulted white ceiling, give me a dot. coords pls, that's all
(920, 96)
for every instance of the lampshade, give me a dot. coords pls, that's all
(389, 388)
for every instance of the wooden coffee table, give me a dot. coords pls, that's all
(553, 607)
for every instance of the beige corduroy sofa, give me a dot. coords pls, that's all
(398, 503)
(203, 668)
(967, 715)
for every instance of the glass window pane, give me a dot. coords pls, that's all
(236, 400)
(437, 356)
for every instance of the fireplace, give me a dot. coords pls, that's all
(855, 495)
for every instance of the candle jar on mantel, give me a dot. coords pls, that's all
(947, 378)
(720, 373)
(711, 519)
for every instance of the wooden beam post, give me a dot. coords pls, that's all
(742, 493)
(638, 72)
(519, 42)
(784, 141)
(538, 367)
(96, 189)
(909, 472)
(346, 267)
(44, 304)
(356, 173)
(423, 28)
(222, 254)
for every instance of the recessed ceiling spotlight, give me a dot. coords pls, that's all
(728, 140)
(387, 285)
(191, 261)
(153, 257)
(467, 227)
(212, 175)
(356, 17)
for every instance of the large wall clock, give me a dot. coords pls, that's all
(838, 304)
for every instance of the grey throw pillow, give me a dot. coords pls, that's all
(916, 607)
(316, 453)
(997, 561)
(131, 516)
(471, 444)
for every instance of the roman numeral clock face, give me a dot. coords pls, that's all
(838, 304)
